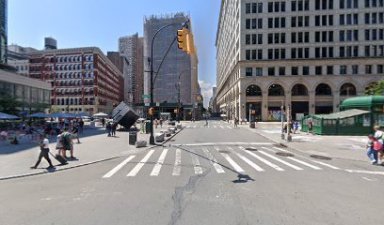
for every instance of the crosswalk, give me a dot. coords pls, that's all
(196, 159)
(209, 126)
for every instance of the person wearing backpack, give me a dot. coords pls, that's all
(67, 143)
(379, 135)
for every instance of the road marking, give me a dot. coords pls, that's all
(140, 165)
(218, 168)
(252, 164)
(304, 163)
(229, 127)
(279, 160)
(159, 164)
(225, 144)
(326, 164)
(177, 166)
(118, 167)
(222, 127)
(366, 172)
(233, 163)
(196, 163)
(369, 179)
(278, 168)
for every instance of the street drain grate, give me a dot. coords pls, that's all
(320, 157)
(224, 151)
(285, 154)
(251, 149)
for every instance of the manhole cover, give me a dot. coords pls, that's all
(285, 154)
(251, 149)
(320, 157)
(224, 151)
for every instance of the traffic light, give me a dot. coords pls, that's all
(185, 41)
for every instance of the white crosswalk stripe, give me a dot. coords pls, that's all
(177, 166)
(140, 165)
(280, 160)
(118, 167)
(159, 164)
(213, 161)
(239, 159)
(263, 160)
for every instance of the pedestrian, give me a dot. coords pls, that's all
(67, 143)
(310, 125)
(81, 126)
(75, 133)
(109, 128)
(206, 121)
(59, 145)
(379, 135)
(295, 126)
(161, 122)
(371, 153)
(103, 122)
(236, 121)
(44, 153)
(113, 129)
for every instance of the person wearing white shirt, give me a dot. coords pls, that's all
(44, 152)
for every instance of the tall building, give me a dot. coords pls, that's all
(178, 69)
(3, 31)
(18, 57)
(131, 48)
(83, 79)
(305, 55)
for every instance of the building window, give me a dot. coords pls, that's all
(247, 39)
(248, 8)
(380, 69)
(248, 71)
(271, 71)
(355, 69)
(368, 69)
(343, 69)
(295, 70)
(248, 54)
(259, 71)
(281, 71)
(305, 70)
(318, 70)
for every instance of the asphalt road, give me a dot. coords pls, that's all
(195, 180)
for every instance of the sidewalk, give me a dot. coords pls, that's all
(343, 147)
(95, 146)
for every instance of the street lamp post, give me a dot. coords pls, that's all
(151, 137)
(289, 121)
(282, 120)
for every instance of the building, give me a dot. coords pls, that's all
(131, 48)
(3, 31)
(83, 79)
(212, 101)
(305, 55)
(34, 95)
(174, 70)
(18, 57)
(117, 60)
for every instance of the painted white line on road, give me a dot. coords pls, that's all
(366, 172)
(278, 168)
(196, 163)
(369, 179)
(233, 163)
(282, 161)
(159, 164)
(304, 163)
(177, 166)
(224, 143)
(218, 168)
(326, 164)
(249, 162)
(118, 167)
(140, 165)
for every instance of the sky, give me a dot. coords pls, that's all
(84, 23)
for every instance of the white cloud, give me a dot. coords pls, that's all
(206, 91)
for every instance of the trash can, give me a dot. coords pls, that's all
(132, 137)
(147, 126)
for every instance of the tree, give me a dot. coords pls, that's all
(9, 104)
(376, 88)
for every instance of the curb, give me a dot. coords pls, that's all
(82, 164)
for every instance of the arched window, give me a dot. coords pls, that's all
(323, 89)
(299, 90)
(348, 89)
(275, 90)
(253, 90)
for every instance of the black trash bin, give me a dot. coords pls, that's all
(147, 126)
(132, 137)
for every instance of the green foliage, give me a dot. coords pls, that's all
(9, 104)
(375, 88)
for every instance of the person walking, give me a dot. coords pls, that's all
(371, 153)
(75, 133)
(379, 135)
(67, 143)
(113, 129)
(81, 126)
(44, 153)
(109, 128)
